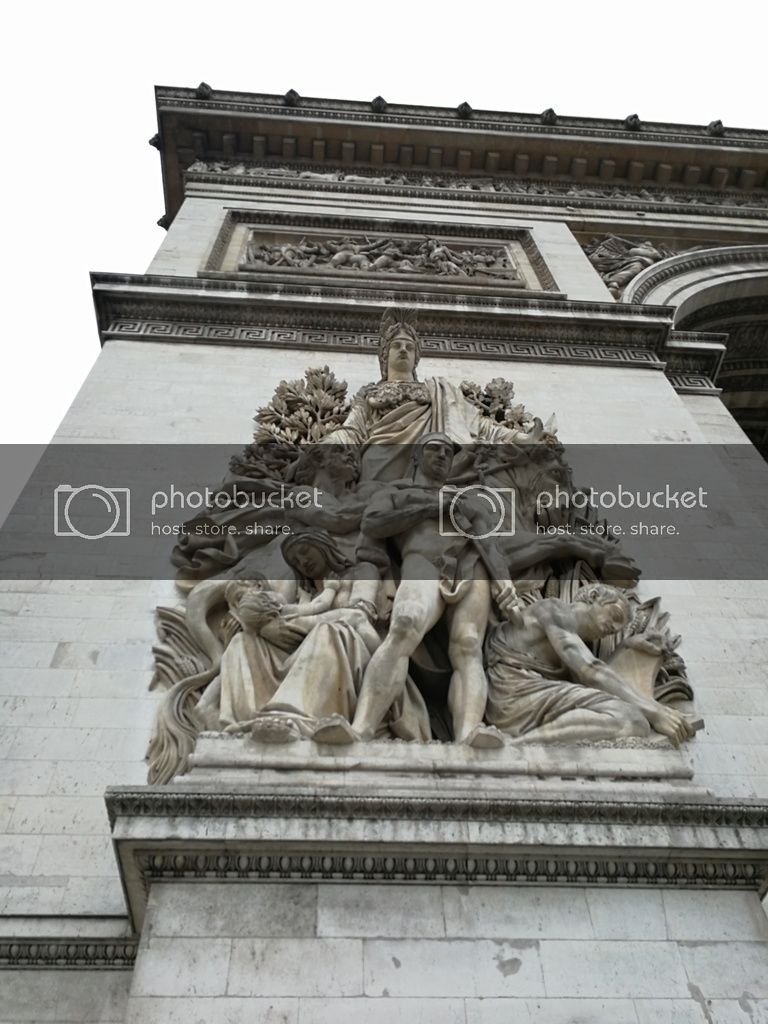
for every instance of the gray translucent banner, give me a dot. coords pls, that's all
(194, 512)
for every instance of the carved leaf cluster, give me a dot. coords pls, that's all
(495, 400)
(303, 411)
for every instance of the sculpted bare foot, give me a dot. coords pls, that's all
(335, 729)
(274, 729)
(485, 737)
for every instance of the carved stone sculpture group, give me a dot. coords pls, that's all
(389, 580)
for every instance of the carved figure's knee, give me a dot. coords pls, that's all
(406, 629)
(466, 641)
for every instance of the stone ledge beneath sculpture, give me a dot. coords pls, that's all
(629, 758)
(445, 831)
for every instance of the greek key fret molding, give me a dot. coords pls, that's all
(61, 953)
(338, 341)
(693, 384)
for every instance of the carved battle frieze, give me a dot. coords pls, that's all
(388, 256)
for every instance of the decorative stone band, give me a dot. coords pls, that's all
(647, 838)
(693, 384)
(65, 953)
(177, 801)
(359, 866)
(339, 341)
(223, 301)
(540, 193)
(218, 311)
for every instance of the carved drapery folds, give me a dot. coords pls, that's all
(387, 578)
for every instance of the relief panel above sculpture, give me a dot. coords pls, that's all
(353, 250)
(389, 256)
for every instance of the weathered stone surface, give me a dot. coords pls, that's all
(211, 1010)
(82, 997)
(630, 969)
(727, 970)
(516, 913)
(278, 911)
(452, 967)
(296, 967)
(382, 1011)
(370, 911)
(550, 1011)
(182, 967)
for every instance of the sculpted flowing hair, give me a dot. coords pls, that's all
(397, 321)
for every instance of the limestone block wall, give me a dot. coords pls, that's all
(75, 718)
(64, 997)
(340, 954)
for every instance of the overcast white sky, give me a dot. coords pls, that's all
(82, 188)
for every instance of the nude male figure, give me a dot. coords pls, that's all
(439, 575)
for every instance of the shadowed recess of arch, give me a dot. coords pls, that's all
(722, 291)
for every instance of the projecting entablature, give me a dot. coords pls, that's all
(318, 144)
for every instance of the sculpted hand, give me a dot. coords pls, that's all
(282, 634)
(506, 598)
(671, 723)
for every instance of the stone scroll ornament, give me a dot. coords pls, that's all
(427, 257)
(399, 605)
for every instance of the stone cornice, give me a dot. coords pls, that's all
(213, 124)
(174, 97)
(221, 302)
(328, 317)
(280, 831)
(183, 802)
(228, 311)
